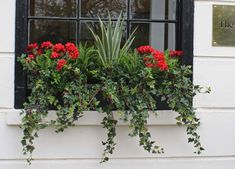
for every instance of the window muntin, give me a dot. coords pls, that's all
(61, 21)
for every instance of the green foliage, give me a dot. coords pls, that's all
(87, 57)
(130, 62)
(119, 81)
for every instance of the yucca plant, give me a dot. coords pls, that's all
(108, 44)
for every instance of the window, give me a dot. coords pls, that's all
(161, 23)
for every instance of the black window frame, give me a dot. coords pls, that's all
(184, 39)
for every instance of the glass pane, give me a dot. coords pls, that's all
(54, 31)
(153, 9)
(159, 35)
(87, 37)
(59, 8)
(95, 8)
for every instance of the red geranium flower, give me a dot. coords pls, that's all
(46, 45)
(160, 60)
(162, 65)
(59, 48)
(147, 59)
(31, 47)
(157, 55)
(39, 52)
(72, 50)
(31, 56)
(157, 61)
(145, 50)
(60, 64)
(150, 65)
(175, 53)
(55, 55)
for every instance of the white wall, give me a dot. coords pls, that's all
(7, 36)
(80, 146)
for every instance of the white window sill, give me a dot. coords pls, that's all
(93, 118)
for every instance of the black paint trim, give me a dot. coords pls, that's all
(184, 38)
(166, 27)
(103, 19)
(187, 23)
(128, 30)
(21, 36)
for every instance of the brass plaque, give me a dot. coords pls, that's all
(223, 25)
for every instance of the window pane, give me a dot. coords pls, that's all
(87, 37)
(153, 9)
(85, 34)
(59, 8)
(54, 31)
(95, 8)
(160, 35)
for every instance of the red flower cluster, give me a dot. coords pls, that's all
(175, 53)
(39, 52)
(72, 50)
(145, 50)
(156, 60)
(159, 58)
(32, 50)
(46, 45)
(60, 64)
(55, 55)
(58, 50)
(30, 56)
(31, 47)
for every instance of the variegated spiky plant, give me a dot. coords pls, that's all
(108, 44)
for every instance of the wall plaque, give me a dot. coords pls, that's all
(223, 25)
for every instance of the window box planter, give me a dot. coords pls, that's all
(129, 86)
(93, 118)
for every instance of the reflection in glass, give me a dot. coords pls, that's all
(85, 34)
(54, 31)
(95, 8)
(87, 37)
(160, 35)
(153, 9)
(59, 8)
(140, 9)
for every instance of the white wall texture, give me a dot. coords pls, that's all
(80, 146)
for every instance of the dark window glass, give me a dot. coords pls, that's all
(58, 8)
(95, 8)
(153, 9)
(160, 35)
(86, 35)
(55, 31)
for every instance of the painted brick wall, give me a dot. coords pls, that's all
(80, 146)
